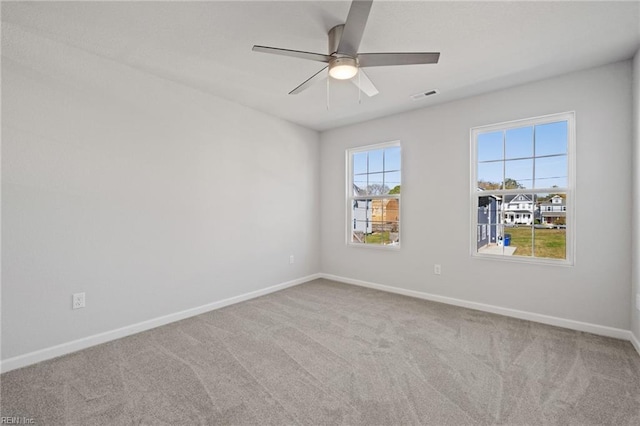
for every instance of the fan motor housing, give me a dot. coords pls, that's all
(335, 34)
(341, 67)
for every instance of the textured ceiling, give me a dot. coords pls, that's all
(207, 46)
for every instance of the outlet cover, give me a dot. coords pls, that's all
(437, 269)
(78, 300)
(292, 260)
(638, 301)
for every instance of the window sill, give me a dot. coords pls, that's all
(389, 247)
(523, 259)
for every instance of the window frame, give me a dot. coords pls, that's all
(350, 198)
(569, 190)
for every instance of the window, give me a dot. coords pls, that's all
(526, 167)
(373, 191)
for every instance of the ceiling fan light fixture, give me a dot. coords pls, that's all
(343, 58)
(343, 68)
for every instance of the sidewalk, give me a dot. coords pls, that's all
(496, 249)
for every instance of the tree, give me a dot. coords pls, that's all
(486, 185)
(395, 190)
(377, 189)
(508, 184)
(512, 184)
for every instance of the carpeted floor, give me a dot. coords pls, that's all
(328, 353)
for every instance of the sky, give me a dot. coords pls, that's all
(535, 156)
(380, 166)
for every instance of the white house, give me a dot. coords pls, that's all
(553, 211)
(361, 213)
(518, 209)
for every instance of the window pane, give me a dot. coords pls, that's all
(360, 207)
(519, 142)
(551, 172)
(490, 175)
(375, 185)
(551, 242)
(392, 158)
(391, 211)
(552, 209)
(381, 236)
(360, 220)
(377, 236)
(491, 242)
(518, 209)
(377, 211)
(519, 239)
(391, 181)
(360, 229)
(359, 163)
(490, 146)
(492, 234)
(488, 219)
(394, 233)
(376, 221)
(487, 210)
(376, 160)
(360, 185)
(551, 138)
(518, 174)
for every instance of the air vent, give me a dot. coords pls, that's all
(423, 95)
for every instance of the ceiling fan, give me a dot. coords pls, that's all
(343, 59)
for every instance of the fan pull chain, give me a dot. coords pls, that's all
(328, 79)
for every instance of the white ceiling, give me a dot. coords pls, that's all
(207, 45)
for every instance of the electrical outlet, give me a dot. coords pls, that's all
(292, 260)
(78, 300)
(638, 301)
(437, 269)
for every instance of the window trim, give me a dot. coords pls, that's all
(570, 118)
(349, 198)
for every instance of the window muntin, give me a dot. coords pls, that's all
(523, 171)
(373, 192)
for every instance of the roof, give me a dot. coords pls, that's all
(549, 203)
(517, 198)
(357, 191)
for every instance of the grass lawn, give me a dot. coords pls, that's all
(378, 238)
(550, 243)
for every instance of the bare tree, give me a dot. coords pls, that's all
(377, 189)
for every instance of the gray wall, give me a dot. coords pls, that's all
(150, 197)
(635, 260)
(154, 198)
(435, 203)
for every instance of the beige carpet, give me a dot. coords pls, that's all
(329, 353)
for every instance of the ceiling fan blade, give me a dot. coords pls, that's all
(354, 27)
(293, 53)
(387, 59)
(363, 83)
(319, 76)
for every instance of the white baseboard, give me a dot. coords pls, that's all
(635, 341)
(86, 342)
(602, 330)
